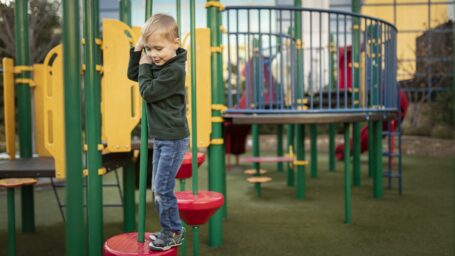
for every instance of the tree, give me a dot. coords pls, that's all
(44, 28)
(44, 34)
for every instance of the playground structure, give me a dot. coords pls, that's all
(299, 93)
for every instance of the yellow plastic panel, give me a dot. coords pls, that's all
(9, 108)
(53, 108)
(39, 76)
(121, 101)
(203, 86)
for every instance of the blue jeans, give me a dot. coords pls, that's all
(167, 158)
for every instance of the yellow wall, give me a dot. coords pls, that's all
(414, 17)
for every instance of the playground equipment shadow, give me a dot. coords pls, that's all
(419, 222)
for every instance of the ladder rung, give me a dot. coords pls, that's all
(391, 133)
(390, 154)
(393, 175)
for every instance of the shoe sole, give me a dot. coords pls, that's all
(162, 249)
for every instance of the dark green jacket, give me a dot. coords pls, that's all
(163, 88)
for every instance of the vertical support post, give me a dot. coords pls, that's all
(93, 129)
(11, 223)
(24, 109)
(331, 147)
(279, 145)
(256, 71)
(377, 185)
(256, 165)
(347, 178)
(370, 149)
(143, 175)
(216, 151)
(356, 91)
(125, 11)
(300, 156)
(143, 157)
(148, 9)
(333, 85)
(314, 150)
(290, 138)
(129, 175)
(73, 131)
(129, 194)
(194, 167)
(300, 129)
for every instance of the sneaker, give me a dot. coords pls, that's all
(153, 236)
(167, 240)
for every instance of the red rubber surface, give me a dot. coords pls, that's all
(127, 245)
(197, 209)
(186, 169)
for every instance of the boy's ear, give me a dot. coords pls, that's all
(177, 43)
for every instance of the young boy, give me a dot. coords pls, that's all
(160, 71)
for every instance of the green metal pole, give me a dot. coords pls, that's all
(216, 151)
(143, 157)
(290, 139)
(333, 84)
(300, 129)
(73, 128)
(256, 166)
(314, 150)
(378, 159)
(221, 97)
(356, 91)
(195, 175)
(331, 147)
(11, 223)
(143, 175)
(129, 175)
(183, 249)
(347, 178)
(279, 146)
(125, 11)
(255, 127)
(194, 167)
(300, 154)
(93, 129)
(179, 15)
(129, 194)
(148, 9)
(370, 149)
(24, 109)
(23, 90)
(195, 240)
(356, 154)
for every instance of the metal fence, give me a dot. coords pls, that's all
(315, 60)
(419, 76)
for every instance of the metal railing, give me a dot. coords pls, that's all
(333, 62)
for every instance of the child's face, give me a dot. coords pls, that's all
(160, 49)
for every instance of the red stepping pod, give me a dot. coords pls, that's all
(197, 209)
(127, 245)
(186, 169)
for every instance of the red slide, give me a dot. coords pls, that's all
(339, 151)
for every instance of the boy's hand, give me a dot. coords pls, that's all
(139, 45)
(145, 59)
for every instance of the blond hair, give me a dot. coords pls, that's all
(163, 24)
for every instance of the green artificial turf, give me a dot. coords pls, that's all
(419, 222)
